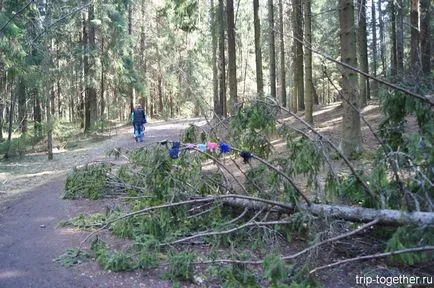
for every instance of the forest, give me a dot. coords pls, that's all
(315, 151)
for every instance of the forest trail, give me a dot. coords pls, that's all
(32, 209)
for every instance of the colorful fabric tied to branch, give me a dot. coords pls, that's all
(189, 146)
(246, 156)
(174, 151)
(224, 147)
(212, 146)
(201, 147)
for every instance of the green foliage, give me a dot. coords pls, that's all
(113, 260)
(239, 275)
(73, 256)
(252, 127)
(148, 248)
(85, 221)
(408, 237)
(181, 266)
(88, 182)
(275, 269)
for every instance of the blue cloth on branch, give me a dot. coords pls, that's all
(224, 147)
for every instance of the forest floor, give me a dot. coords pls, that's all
(31, 209)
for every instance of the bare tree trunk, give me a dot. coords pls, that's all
(37, 113)
(393, 55)
(374, 49)
(215, 83)
(232, 56)
(48, 109)
(11, 118)
(415, 40)
(349, 213)
(91, 109)
(102, 82)
(258, 52)
(282, 58)
(351, 133)
(132, 91)
(363, 54)
(272, 49)
(298, 54)
(22, 106)
(400, 37)
(2, 99)
(426, 36)
(308, 95)
(222, 62)
(382, 41)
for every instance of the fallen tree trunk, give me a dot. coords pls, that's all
(354, 214)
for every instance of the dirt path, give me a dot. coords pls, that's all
(30, 212)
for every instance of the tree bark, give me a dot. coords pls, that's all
(91, 111)
(382, 41)
(351, 133)
(415, 40)
(215, 83)
(426, 36)
(399, 7)
(308, 95)
(298, 55)
(272, 49)
(374, 49)
(232, 56)
(349, 213)
(22, 106)
(11, 118)
(393, 55)
(222, 62)
(132, 91)
(363, 54)
(2, 100)
(37, 113)
(282, 58)
(258, 52)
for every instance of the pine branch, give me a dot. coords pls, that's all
(374, 256)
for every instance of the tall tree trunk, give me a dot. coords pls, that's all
(374, 49)
(222, 62)
(258, 52)
(2, 100)
(232, 56)
(382, 41)
(308, 95)
(393, 59)
(59, 89)
(426, 36)
(91, 113)
(80, 72)
(298, 53)
(415, 40)
(351, 133)
(103, 79)
(215, 83)
(22, 106)
(272, 49)
(399, 7)
(48, 103)
(11, 118)
(363, 54)
(37, 113)
(132, 91)
(282, 58)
